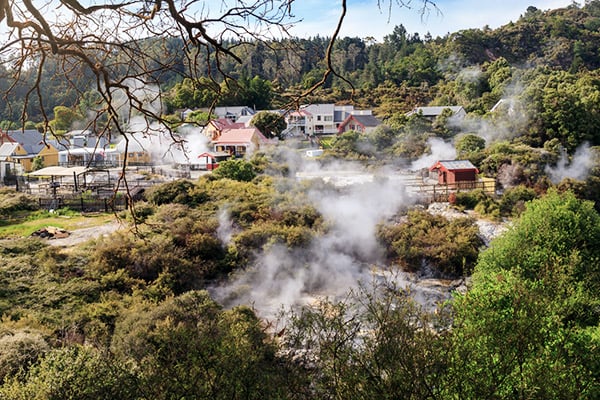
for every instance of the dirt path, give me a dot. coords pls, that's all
(82, 235)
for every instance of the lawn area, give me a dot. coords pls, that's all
(25, 225)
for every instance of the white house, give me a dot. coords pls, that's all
(319, 119)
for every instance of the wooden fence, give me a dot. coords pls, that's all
(85, 203)
(431, 193)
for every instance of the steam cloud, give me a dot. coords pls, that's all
(577, 168)
(333, 263)
(438, 150)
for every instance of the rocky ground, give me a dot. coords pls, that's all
(488, 230)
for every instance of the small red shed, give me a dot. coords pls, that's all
(453, 171)
(211, 160)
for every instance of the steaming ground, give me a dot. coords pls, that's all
(347, 256)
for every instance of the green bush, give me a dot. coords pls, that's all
(513, 200)
(180, 191)
(20, 350)
(452, 246)
(237, 169)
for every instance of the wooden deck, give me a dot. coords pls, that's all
(427, 193)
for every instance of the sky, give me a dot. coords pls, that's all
(365, 19)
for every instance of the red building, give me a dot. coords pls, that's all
(453, 171)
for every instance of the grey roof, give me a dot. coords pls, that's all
(457, 164)
(367, 120)
(30, 139)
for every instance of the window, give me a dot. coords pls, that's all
(318, 117)
(328, 118)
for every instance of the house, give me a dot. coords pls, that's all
(34, 145)
(215, 127)
(132, 152)
(232, 113)
(79, 148)
(454, 171)
(319, 119)
(239, 141)
(432, 113)
(9, 160)
(359, 123)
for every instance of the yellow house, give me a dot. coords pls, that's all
(31, 145)
(49, 155)
(133, 153)
(12, 156)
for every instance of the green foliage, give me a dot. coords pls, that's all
(180, 191)
(19, 350)
(527, 328)
(206, 352)
(352, 145)
(452, 246)
(372, 345)
(74, 373)
(468, 144)
(513, 200)
(64, 117)
(269, 123)
(236, 169)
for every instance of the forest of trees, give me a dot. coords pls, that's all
(135, 315)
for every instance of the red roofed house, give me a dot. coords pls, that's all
(215, 127)
(239, 141)
(453, 171)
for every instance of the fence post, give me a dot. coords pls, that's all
(81, 202)
(105, 205)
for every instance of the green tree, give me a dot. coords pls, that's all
(236, 169)
(269, 123)
(64, 117)
(374, 344)
(529, 325)
(188, 347)
(468, 144)
(38, 163)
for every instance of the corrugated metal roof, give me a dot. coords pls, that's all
(457, 164)
(7, 150)
(367, 120)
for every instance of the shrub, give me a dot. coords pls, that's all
(451, 246)
(238, 170)
(513, 200)
(180, 191)
(19, 351)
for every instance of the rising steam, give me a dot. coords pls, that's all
(333, 263)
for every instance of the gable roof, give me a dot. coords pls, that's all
(434, 111)
(240, 136)
(7, 150)
(30, 139)
(454, 165)
(224, 123)
(365, 120)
